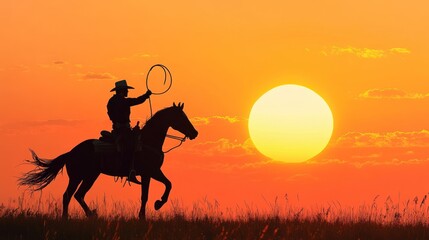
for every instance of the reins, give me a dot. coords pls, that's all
(167, 73)
(181, 139)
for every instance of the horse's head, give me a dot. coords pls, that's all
(181, 123)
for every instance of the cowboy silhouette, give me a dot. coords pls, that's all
(119, 110)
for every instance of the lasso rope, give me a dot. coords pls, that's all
(165, 69)
(167, 73)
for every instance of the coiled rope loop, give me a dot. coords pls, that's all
(167, 73)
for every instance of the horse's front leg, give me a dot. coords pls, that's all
(145, 192)
(159, 176)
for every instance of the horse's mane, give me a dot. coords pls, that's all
(157, 115)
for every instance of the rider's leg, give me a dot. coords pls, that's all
(130, 155)
(132, 172)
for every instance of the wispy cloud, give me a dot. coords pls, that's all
(391, 93)
(51, 122)
(59, 64)
(136, 56)
(224, 146)
(224, 142)
(368, 162)
(369, 53)
(21, 68)
(210, 119)
(400, 50)
(145, 55)
(387, 139)
(326, 161)
(360, 52)
(92, 76)
(21, 126)
(360, 149)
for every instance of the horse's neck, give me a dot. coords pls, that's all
(154, 135)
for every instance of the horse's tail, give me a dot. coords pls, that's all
(45, 172)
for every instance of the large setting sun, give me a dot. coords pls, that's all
(290, 123)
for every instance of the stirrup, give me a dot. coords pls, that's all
(132, 178)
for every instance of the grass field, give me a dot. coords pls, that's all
(205, 220)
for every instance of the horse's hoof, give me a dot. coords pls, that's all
(158, 204)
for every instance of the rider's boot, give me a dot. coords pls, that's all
(132, 175)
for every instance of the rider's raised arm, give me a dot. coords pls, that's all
(139, 100)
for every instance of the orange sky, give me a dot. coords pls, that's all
(368, 60)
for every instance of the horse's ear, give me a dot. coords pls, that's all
(174, 104)
(183, 105)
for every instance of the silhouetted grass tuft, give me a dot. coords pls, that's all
(205, 220)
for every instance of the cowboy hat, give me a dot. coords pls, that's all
(122, 84)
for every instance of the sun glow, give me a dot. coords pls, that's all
(290, 123)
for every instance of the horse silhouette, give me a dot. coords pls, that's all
(84, 164)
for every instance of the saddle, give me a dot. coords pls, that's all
(107, 142)
(107, 136)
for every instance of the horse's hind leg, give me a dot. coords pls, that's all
(71, 188)
(83, 189)
(159, 176)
